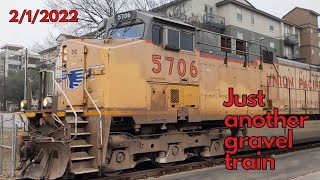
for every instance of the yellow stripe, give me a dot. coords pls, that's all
(44, 114)
(30, 114)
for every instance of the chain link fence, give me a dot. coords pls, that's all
(11, 128)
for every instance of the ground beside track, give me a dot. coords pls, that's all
(301, 165)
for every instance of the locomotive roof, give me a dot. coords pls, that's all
(159, 17)
(296, 64)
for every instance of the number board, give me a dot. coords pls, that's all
(126, 16)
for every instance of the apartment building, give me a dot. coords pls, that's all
(310, 36)
(239, 18)
(13, 57)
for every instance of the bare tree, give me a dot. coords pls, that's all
(180, 10)
(91, 13)
(48, 42)
(148, 5)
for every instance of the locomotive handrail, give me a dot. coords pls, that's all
(66, 97)
(245, 52)
(95, 105)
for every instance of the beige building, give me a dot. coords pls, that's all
(310, 36)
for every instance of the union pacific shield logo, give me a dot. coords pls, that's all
(75, 78)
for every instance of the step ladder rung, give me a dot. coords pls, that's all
(80, 134)
(81, 146)
(82, 158)
(79, 122)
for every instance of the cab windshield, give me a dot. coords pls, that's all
(131, 31)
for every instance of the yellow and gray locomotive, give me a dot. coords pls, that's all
(153, 90)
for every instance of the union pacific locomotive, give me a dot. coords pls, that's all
(153, 90)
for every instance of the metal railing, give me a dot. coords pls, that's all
(291, 39)
(69, 103)
(96, 107)
(212, 18)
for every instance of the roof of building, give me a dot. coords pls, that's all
(172, 20)
(48, 50)
(311, 11)
(67, 36)
(11, 47)
(255, 10)
(174, 2)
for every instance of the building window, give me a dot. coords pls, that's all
(286, 31)
(239, 14)
(312, 51)
(226, 44)
(156, 35)
(240, 47)
(319, 44)
(272, 45)
(239, 35)
(271, 28)
(208, 9)
(311, 31)
(186, 41)
(252, 18)
(287, 52)
(318, 34)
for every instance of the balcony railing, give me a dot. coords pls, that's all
(291, 39)
(214, 20)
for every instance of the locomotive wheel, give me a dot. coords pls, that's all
(160, 165)
(218, 159)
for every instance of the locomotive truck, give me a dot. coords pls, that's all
(153, 90)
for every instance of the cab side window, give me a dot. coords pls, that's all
(156, 35)
(186, 41)
(173, 39)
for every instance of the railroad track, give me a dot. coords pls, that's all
(198, 164)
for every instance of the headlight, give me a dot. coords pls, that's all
(47, 102)
(23, 104)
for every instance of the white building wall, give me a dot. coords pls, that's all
(261, 23)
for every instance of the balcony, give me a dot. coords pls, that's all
(214, 22)
(291, 39)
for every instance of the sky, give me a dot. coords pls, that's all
(26, 33)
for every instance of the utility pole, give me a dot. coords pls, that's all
(25, 74)
(4, 86)
(4, 82)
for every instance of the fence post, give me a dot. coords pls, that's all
(1, 142)
(13, 145)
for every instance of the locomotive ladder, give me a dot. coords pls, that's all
(81, 160)
(82, 153)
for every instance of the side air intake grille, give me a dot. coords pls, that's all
(175, 98)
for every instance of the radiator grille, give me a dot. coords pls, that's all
(175, 98)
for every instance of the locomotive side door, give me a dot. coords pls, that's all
(74, 57)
